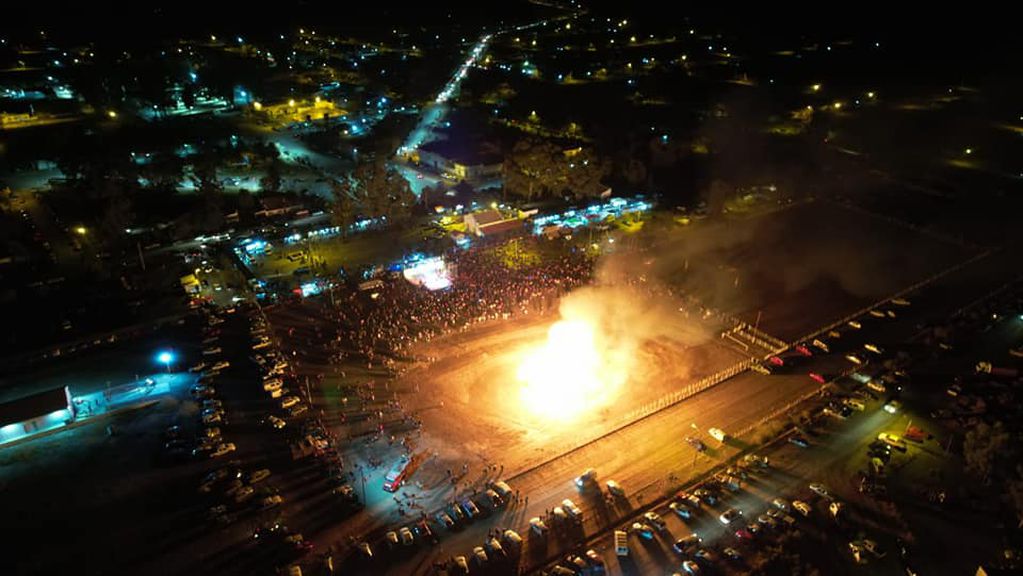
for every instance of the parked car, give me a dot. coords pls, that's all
(258, 476)
(470, 508)
(572, 510)
(643, 530)
(729, 515)
(244, 493)
(587, 478)
(223, 449)
(893, 440)
(855, 359)
(706, 496)
(512, 538)
(655, 520)
(681, 509)
(272, 501)
(538, 526)
(444, 519)
(854, 404)
(684, 544)
(495, 549)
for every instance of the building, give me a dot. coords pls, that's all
(474, 164)
(271, 206)
(490, 223)
(37, 413)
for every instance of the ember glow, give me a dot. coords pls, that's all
(568, 374)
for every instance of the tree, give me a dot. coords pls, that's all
(402, 200)
(271, 181)
(211, 208)
(6, 196)
(717, 196)
(634, 172)
(342, 209)
(531, 169)
(246, 207)
(164, 172)
(1014, 491)
(112, 197)
(537, 168)
(584, 175)
(205, 174)
(371, 187)
(983, 447)
(782, 558)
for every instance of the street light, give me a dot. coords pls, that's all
(81, 230)
(165, 357)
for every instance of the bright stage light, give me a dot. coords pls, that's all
(568, 374)
(430, 273)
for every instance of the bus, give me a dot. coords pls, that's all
(396, 476)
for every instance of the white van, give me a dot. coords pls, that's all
(718, 434)
(621, 543)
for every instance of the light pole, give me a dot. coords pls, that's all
(165, 357)
(362, 475)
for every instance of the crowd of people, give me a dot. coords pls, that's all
(389, 319)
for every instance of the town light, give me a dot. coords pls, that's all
(81, 230)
